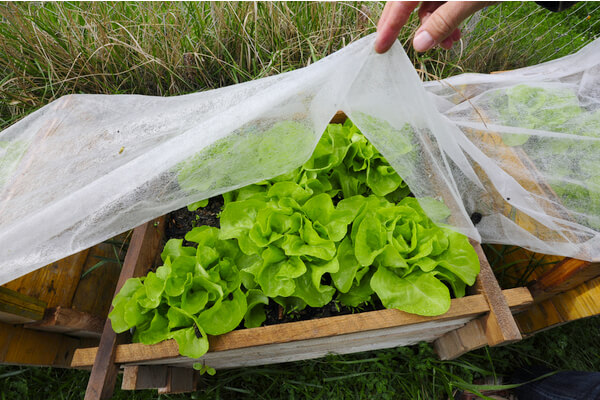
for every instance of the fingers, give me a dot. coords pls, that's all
(394, 17)
(440, 26)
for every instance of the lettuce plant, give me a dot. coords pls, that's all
(570, 166)
(339, 227)
(196, 292)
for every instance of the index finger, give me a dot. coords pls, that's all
(393, 18)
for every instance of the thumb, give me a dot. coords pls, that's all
(443, 21)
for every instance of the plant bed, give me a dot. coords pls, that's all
(482, 317)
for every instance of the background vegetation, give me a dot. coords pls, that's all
(51, 49)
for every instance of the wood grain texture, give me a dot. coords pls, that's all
(315, 348)
(140, 257)
(55, 283)
(500, 326)
(179, 380)
(137, 377)
(20, 346)
(366, 323)
(474, 334)
(574, 304)
(94, 291)
(462, 340)
(69, 321)
(17, 308)
(564, 276)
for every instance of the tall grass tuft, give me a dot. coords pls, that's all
(51, 49)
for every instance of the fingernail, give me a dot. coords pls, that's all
(423, 41)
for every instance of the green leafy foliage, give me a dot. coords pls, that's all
(269, 149)
(340, 227)
(196, 292)
(569, 165)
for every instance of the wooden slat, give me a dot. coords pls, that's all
(55, 283)
(495, 328)
(22, 346)
(168, 380)
(94, 291)
(465, 307)
(17, 308)
(459, 341)
(486, 330)
(179, 380)
(139, 258)
(137, 377)
(500, 326)
(565, 275)
(577, 303)
(69, 321)
(314, 348)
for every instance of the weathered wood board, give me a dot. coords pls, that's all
(69, 321)
(313, 338)
(579, 302)
(18, 308)
(67, 306)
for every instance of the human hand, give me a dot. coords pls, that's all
(439, 22)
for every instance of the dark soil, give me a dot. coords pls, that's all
(181, 221)
(276, 314)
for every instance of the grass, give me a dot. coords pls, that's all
(48, 50)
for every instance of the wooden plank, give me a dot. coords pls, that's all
(69, 321)
(565, 275)
(140, 257)
(94, 291)
(17, 308)
(138, 377)
(538, 318)
(500, 326)
(460, 341)
(465, 307)
(55, 283)
(20, 346)
(179, 380)
(320, 347)
(293, 331)
(472, 336)
(168, 380)
(577, 303)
